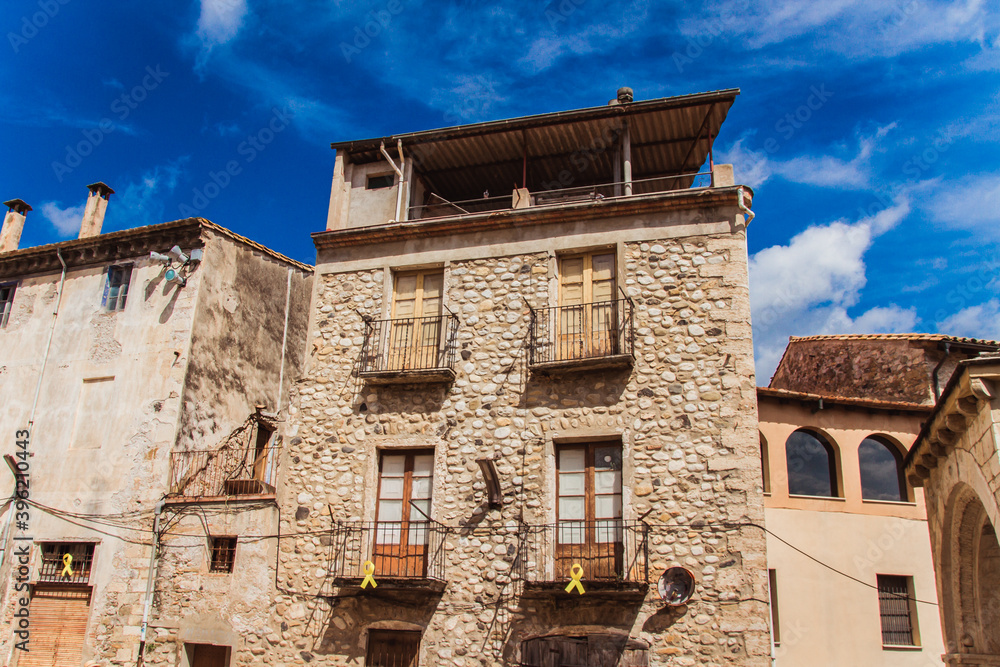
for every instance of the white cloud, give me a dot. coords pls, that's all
(971, 204)
(981, 321)
(806, 287)
(755, 167)
(65, 220)
(218, 23)
(142, 202)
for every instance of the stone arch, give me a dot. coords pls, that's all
(970, 575)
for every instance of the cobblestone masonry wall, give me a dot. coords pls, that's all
(686, 415)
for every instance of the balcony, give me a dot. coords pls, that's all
(613, 553)
(223, 473)
(407, 555)
(582, 337)
(405, 350)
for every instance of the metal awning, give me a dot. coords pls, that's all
(668, 136)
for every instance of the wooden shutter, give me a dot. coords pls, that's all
(392, 648)
(58, 626)
(207, 655)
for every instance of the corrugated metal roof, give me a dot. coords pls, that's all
(572, 148)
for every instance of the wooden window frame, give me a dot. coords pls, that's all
(408, 346)
(403, 558)
(408, 655)
(119, 301)
(6, 302)
(589, 328)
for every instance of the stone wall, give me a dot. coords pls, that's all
(686, 416)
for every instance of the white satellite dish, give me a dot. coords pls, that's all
(676, 586)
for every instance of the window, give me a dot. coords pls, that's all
(415, 335)
(66, 562)
(380, 181)
(897, 610)
(392, 648)
(403, 513)
(116, 287)
(95, 410)
(207, 655)
(223, 554)
(765, 465)
(772, 586)
(812, 465)
(589, 509)
(6, 303)
(587, 317)
(881, 471)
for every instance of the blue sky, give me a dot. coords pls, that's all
(869, 130)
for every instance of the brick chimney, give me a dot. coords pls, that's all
(13, 224)
(97, 204)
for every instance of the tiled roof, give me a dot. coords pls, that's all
(897, 336)
(870, 403)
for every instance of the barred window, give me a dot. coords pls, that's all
(223, 554)
(897, 609)
(66, 562)
(392, 648)
(6, 303)
(116, 287)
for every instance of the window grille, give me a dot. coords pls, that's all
(392, 648)
(116, 287)
(896, 609)
(56, 568)
(223, 554)
(6, 303)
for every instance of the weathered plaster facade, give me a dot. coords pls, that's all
(177, 368)
(955, 460)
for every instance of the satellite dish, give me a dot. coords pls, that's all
(676, 586)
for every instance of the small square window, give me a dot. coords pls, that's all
(116, 287)
(66, 562)
(6, 303)
(380, 181)
(223, 554)
(897, 609)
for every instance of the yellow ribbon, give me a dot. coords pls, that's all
(369, 571)
(67, 571)
(576, 572)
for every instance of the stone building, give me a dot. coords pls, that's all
(839, 417)
(529, 365)
(140, 370)
(955, 460)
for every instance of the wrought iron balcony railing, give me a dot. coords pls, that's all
(583, 334)
(399, 550)
(223, 472)
(423, 348)
(610, 551)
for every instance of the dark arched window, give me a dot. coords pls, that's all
(812, 465)
(881, 470)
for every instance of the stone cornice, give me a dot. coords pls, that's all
(514, 218)
(974, 383)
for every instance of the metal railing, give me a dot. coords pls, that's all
(398, 549)
(610, 550)
(410, 344)
(440, 207)
(57, 568)
(586, 331)
(223, 472)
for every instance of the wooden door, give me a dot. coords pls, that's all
(402, 516)
(587, 325)
(392, 648)
(589, 510)
(207, 655)
(59, 616)
(415, 329)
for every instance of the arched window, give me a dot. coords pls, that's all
(812, 465)
(881, 470)
(765, 465)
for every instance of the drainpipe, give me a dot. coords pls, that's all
(48, 345)
(741, 202)
(149, 582)
(627, 159)
(284, 340)
(399, 172)
(934, 373)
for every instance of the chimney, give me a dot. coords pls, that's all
(13, 224)
(97, 204)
